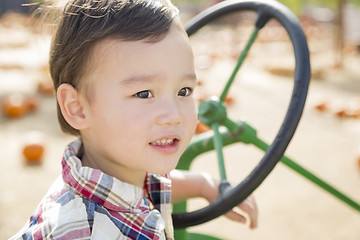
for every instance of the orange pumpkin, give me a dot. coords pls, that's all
(341, 113)
(32, 103)
(201, 128)
(33, 153)
(229, 101)
(357, 113)
(14, 106)
(46, 87)
(33, 148)
(321, 106)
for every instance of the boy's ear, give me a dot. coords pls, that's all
(71, 106)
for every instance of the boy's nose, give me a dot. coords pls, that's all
(169, 114)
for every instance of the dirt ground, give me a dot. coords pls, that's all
(290, 207)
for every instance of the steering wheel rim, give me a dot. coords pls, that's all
(266, 10)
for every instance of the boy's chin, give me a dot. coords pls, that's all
(162, 171)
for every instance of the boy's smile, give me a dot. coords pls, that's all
(166, 145)
(141, 115)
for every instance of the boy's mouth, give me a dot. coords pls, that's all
(166, 145)
(165, 142)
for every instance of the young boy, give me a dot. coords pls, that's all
(124, 75)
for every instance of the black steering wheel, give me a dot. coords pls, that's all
(266, 10)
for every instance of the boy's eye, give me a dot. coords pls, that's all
(184, 92)
(144, 94)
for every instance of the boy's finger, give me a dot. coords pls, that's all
(236, 217)
(249, 206)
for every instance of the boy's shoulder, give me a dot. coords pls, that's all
(59, 213)
(63, 213)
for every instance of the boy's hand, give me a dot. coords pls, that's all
(189, 184)
(248, 206)
(247, 210)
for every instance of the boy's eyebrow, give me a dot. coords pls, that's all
(140, 79)
(191, 76)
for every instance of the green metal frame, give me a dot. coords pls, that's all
(212, 112)
(242, 132)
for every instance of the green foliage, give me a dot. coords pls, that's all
(324, 3)
(296, 5)
(332, 3)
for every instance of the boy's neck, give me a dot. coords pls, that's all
(131, 176)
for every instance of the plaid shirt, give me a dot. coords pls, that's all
(89, 204)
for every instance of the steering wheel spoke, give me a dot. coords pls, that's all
(218, 147)
(239, 63)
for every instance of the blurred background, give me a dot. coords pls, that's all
(327, 141)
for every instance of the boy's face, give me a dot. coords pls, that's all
(142, 114)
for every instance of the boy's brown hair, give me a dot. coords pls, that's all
(86, 22)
